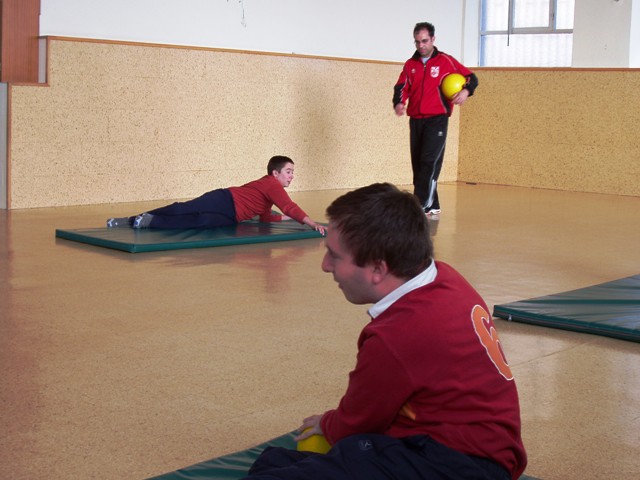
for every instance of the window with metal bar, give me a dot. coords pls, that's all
(526, 33)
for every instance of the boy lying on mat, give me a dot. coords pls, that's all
(229, 206)
(431, 395)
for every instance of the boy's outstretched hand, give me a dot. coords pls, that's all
(320, 228)
(316, 226)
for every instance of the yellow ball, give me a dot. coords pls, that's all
(452, 84)
(314, 443)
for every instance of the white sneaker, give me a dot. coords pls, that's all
(118, 222)
(142, 221)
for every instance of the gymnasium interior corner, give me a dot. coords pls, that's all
(117, 365)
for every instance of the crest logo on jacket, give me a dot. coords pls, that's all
(435, 72)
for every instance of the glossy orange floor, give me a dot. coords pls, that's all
(123, 366)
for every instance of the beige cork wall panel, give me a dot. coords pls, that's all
(568, 129)
(121, 122)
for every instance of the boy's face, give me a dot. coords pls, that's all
(354, 281)
(285, 175)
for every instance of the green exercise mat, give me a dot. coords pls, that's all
(228, 467)
(152, 240)
(611, 309)
(236, 465)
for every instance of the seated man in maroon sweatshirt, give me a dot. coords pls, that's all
(228, 206)
(431, 395)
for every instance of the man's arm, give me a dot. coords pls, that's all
(399, 95)
(472, 83)
(378, 389)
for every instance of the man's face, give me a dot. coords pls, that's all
(285, 175)
(424, 43)
(354, 281)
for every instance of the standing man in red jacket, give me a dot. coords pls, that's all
(429, 110)
(431, 395)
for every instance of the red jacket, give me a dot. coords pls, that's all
(257, 198)
(420, 84)
(432, 364)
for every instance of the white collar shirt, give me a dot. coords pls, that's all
(426, 277)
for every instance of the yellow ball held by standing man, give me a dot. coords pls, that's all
(452, 84)
(314, 443)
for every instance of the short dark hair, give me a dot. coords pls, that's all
(425, 26)
(277, 162)
(381, 222)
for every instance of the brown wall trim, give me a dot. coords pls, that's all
(226, 50)
(19, 48)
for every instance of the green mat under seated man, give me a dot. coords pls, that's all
(236, 465)
(610, 309)
(152, 240)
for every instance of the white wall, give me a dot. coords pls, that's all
(606, 32)
(471, 33)
(634, 42)
(364, 29)
(602, 33)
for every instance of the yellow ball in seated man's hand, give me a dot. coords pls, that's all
(314, 443)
